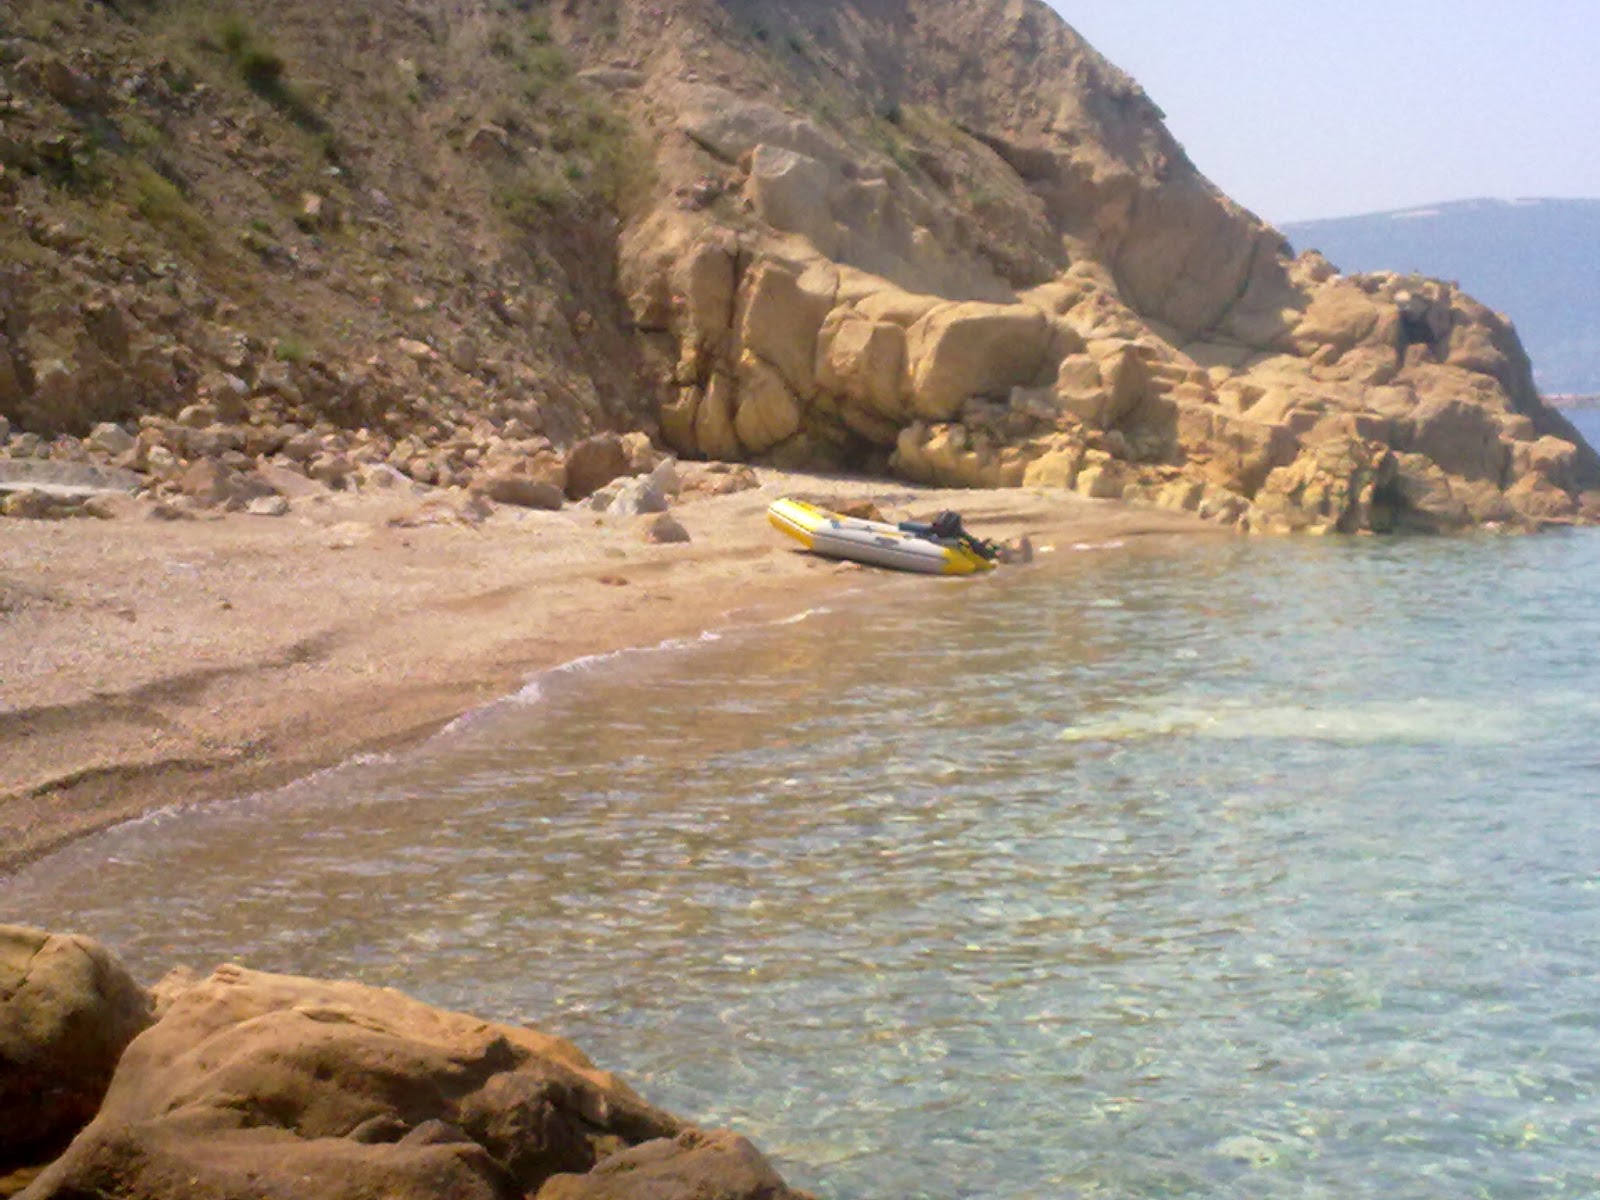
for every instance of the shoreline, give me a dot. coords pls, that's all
(157, 665)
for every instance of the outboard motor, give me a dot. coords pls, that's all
(947, 527)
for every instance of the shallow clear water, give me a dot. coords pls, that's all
(1243, 869)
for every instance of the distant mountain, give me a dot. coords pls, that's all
(1536, 261)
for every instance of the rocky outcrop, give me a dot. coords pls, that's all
(1014, 276)
(67, 1011)
(939, 238)
(271, 1085)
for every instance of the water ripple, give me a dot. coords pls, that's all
(1245, 870)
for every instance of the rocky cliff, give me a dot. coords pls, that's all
(941, 239)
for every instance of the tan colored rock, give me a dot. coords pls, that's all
(965, 350)
(31, 504)
(790, 191)
(1081, 390)
(522, 491)
(417, 351)
(253, 1083)
(1334, 487)
(1056, 467)
(1462, 437)
(284, 481)
(705, 278)
(678, 419)
(1181, 495)
(767, 411)
(1368, 427)
(593, 463)
(302, 447)
(1102, 478)
(1556, 459)
(333, 470)
(862, 362)
(717, 478)
(1233, 453)
(1539, 501)
(1427, 499)
(1340, 316)
(68, 1009)
(209, 482)
(1485, 502)
(642, 454)
(113, 506)
(731, 127)
(1125, 369)
(948, 455)
(860, 419)
(714, 435)
(549, 467)
(718, 1166)
(197, 416)
(895, 306)
(781, 312)
(1190, 259)
(267, 506)
(111, 439)
(665, 529)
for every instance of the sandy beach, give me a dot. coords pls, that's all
(154, 663)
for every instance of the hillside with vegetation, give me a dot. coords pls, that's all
(944, 241)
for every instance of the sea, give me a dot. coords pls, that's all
(1221, 868)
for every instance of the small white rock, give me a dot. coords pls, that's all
(268, 506)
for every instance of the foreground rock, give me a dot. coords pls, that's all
(275, 1086)
(67, 1011)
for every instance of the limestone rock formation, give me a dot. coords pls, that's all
(67, 1011)
(270, 1085)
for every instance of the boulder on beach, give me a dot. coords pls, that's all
(253, 1084)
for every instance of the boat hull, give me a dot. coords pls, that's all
(874, 542)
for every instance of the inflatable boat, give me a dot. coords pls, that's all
(940, 548)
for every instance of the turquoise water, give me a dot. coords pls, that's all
(1238, 869)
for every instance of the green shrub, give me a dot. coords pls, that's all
(265, 72)
(533, 198)
(291, 348)
(161, 202)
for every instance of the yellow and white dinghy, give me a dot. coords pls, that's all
(922, 548)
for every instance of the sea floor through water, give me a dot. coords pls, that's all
(1240, 869)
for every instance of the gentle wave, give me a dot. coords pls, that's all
(1240, 870)
(1420, 722)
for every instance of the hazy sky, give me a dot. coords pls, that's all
(1301, 109)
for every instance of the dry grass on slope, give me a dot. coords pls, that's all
(319, 181)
